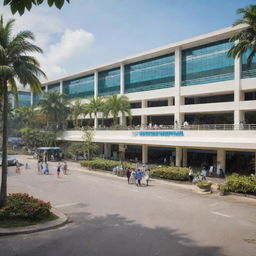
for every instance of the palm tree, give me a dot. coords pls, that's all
(76, 110)
(15, 65)
(54, 106)
(246, 38)
(26, 116)
(116, 104)
(94, 107)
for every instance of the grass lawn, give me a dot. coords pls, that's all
(13, 223)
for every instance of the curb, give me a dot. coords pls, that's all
(62, 220)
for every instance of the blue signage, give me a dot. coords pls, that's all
(158, 133)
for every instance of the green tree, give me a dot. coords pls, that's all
(89, 146)
(245, 39)
(25, 116)
(116, 104)
(15, 64)
(55, 107)
(95, 106)
(76, 110)
(20, 5)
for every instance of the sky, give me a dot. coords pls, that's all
(87, 33)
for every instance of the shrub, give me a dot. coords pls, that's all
(171, 173)
(24, 206)
(103, 164)
(241, 184)
(204, 184)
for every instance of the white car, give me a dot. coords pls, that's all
(11, 160)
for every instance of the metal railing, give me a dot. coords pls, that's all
(201, 127)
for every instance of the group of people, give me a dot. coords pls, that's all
(43, 168)
(136, 176)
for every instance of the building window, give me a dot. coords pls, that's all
(159, 103)
(207, 64)
(82, 87)
(109, 82)
(248, 72)
(250, 96)
(38, 96)
(54, 87)
(135, 104)
(209, 99)
(24, 99)
(152, 74)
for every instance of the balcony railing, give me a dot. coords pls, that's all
(207, 127)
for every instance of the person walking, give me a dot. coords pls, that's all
(128, 174)
(139, 177)
(133, 177)
(204, 173)
(38, 167)
(211, 170)
(65, 168)
(58, 170)
(191, 174)
(147, 172)
(17, 167)
(46, 169)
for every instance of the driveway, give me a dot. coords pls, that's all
(110, 217)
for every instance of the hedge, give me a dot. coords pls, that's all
(171, 173)
(104, 164)
(240, 184)
(24, 206)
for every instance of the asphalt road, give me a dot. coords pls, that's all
(111, 218)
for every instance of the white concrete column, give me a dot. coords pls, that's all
(122, 79)
(13, 101)
(61, 86)
(237, 92)
(170, 101)
(144, 104)
(184, 157)
(31, 99)
(95, 122)
(178, 156)
(46, 88)
(144, 154)
(177, 115)
(144, 121)
(107, 150)
(221, 159)
(96, 84)
(123, 120)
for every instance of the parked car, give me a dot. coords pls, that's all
(11, 160)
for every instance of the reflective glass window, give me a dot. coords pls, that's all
(207, 64)
(247, 71)
(151, 74)
(24, 99)
(109, 82)
(82, 87)
(38, 96)
(54, 87)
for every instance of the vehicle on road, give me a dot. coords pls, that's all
(11, 160)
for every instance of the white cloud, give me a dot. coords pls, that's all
(62, 46)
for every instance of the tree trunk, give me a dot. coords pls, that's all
(3, 193)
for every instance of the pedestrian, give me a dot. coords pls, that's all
(38, 167)
(26, 166)
(203, 173)
(147, 172)
(46, 169)
(211, 170)
(17, 167)
(138, 177)
(58, 169)
(191, 174)
(41, 167)
(133, 177)
(128, 174)
(65, 168)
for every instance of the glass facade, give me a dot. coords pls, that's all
(24, 99)
(209, 99)
(109, 82)
(38, 96)
(158, 103)
(248, 72)
(152, 74)
(82, 87)
(54, 87)
(207, 64)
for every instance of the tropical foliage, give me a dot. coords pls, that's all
(21, 6)
(245, 39)
(16, 64)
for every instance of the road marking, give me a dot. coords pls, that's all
(65, 205)
(221, 214)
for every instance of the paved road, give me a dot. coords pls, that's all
(110, 217)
